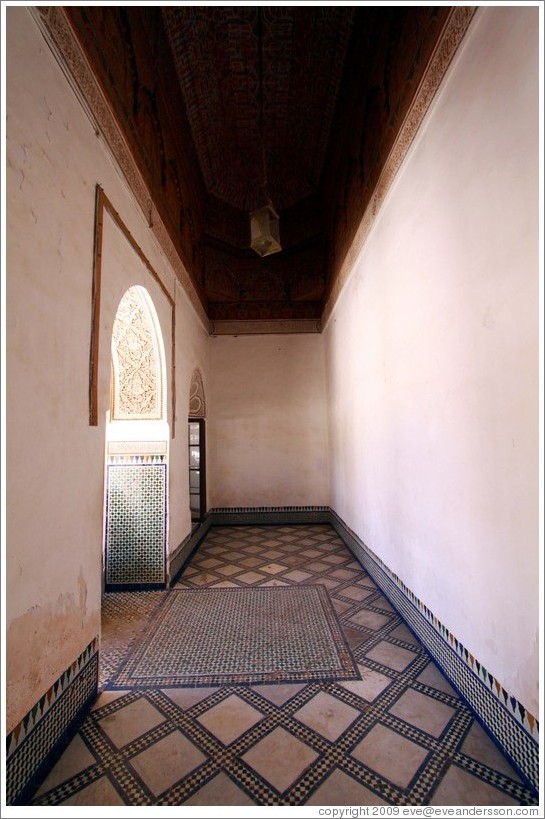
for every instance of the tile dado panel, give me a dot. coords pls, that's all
(34, 744)
(136, 521)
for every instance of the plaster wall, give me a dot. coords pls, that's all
(432, 359)
(268, 430)
(55, 460)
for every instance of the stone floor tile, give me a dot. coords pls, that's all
(131, 721)
(432, 676)
(389, 754)
(224, 584)
(341, 606)
(458, 787)
(370, 686)
(340, 789)
(335, 559)
(274, 582)
(393, 656)
(250, 577)
(478, 745)
(355, 592)
(423, 712)
(230, 718)
(167, 761)
(327, 715)
(279, 694)
(370, 619)
(297, 576)
(220, 791)
(252, 562)
(76, 758)
(318, 566)
(280, 758)
(401, 632)
(345, 574)
(229, 570)
(106, 697)
(273, 568)
(100, 792)
(187, 697)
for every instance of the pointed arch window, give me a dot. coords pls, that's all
(138, 385)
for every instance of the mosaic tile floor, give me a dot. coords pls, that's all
(287, 633)
(398, 736)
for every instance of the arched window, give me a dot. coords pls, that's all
(138, 383)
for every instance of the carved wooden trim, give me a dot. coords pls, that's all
(59, 35)
(104, 204)
(95, 309)
(264, 327)
(449, 41)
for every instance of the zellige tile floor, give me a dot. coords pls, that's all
(398, 736)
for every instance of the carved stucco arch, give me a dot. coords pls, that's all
(197, 404)
(138, 360)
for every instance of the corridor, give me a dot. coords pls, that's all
(383, 727)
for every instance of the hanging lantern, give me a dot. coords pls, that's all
(264, 233)
(265, 236)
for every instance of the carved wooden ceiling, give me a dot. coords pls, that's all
(210, 96)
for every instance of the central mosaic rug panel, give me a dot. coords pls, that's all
(221, 636)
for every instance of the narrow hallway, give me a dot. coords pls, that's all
(385, 728)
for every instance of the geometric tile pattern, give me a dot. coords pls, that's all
(45, 728)
(515, 730)
(258, 635)
(498, 708)
(400, 735)
(135, 525)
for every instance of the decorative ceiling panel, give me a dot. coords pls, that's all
(237, 65)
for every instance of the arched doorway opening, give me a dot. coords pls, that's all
(196, 443)
(137, 448)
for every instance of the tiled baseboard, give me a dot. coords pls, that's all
(35, 743)
(515, 731)
(186, 549)
(259, 515)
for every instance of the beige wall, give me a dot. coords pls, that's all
(268, 428)
(432, 355)
(55, 460)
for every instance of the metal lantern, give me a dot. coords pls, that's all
(265, 237)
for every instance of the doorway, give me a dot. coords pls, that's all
(137, 446)
(196, 443)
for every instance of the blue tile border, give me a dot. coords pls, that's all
(259, 515)
(40, 737)
(514, 730)
(186, 548)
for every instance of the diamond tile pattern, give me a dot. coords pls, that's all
(398, 736)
